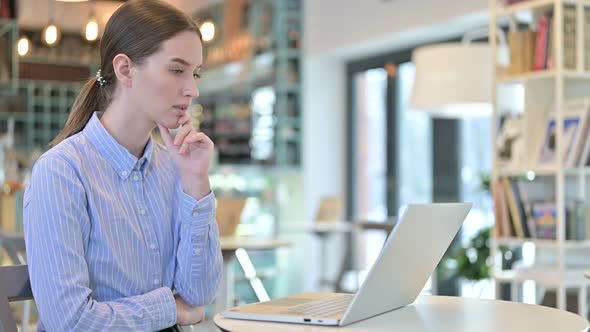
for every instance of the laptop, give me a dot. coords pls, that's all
(410, 254)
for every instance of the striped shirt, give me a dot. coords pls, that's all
(109, 236)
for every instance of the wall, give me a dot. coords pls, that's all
(338, 31)
(333, 25)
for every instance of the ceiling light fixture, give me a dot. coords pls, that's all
(23, 46)
(207, 30)
(455, 79)
(51, 34)
(91, 31)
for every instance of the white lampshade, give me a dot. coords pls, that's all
(453, 80)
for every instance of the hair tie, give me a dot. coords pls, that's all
(101, 81)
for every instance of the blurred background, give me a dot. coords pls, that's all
(329, 117)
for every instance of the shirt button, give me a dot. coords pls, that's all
(136, 178)
(152, 246)
(197, 251)
(124, 173)
(195, 213)
(156, 281)
(142, 212)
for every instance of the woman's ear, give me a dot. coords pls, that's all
(122, 67)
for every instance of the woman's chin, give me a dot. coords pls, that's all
(170, 124)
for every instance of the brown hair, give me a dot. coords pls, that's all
(136, 29)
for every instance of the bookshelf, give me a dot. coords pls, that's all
(505, 9)
(39, 113)
(251, 91)
(541, 243)
(542, 75)
(38, 89)
(8, 55)
(539, 174)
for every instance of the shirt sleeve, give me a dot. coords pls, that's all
(198, 257)
(57, 226)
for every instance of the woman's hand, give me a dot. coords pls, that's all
(186, 314)
(191, 153)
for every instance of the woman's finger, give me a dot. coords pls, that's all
(191, 138)
(181, 134)
(200, 137)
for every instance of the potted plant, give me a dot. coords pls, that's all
(470, 263)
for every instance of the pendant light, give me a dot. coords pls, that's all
(51, 33)
(207, 30)
(454, 80)
(91, 30)
(23, 46)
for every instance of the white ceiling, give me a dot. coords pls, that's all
(72, 16)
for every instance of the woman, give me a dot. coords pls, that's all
(120, 231)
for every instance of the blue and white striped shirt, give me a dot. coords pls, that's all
(109, 236)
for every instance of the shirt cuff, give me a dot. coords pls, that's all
(195, 212)
(161, 305)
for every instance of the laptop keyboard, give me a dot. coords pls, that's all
(326, 308)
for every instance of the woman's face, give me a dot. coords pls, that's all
(165, 83)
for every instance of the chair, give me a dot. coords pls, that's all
(14, 246)
(330, 209)
(14, 286)
(229, 214)
(328, 221)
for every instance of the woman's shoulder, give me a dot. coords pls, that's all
(68, 151)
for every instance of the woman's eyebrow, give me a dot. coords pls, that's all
(181, 61)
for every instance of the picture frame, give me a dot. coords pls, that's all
(510, 141)
(575, 124)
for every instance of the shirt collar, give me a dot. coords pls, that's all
(122, 161)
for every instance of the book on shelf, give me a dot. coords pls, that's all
(533, 50)
(545, 217)
(527, 210)
(543, 43)
(510, 143)
(575, 132)
(577, 214)
(503, 227)
(522, 49)
(515, 208)
(569, 37)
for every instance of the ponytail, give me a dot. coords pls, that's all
(90, 99)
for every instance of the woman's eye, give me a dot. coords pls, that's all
(197, 76)
(177, 71)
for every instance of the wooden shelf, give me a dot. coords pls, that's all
(546, 276)
(64, 61)
(543, 171)
(530, 5)
(568, 244)
(543, 75)
(524, 171)
(554, 183)
(18, 116)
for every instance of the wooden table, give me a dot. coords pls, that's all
(441, 314)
